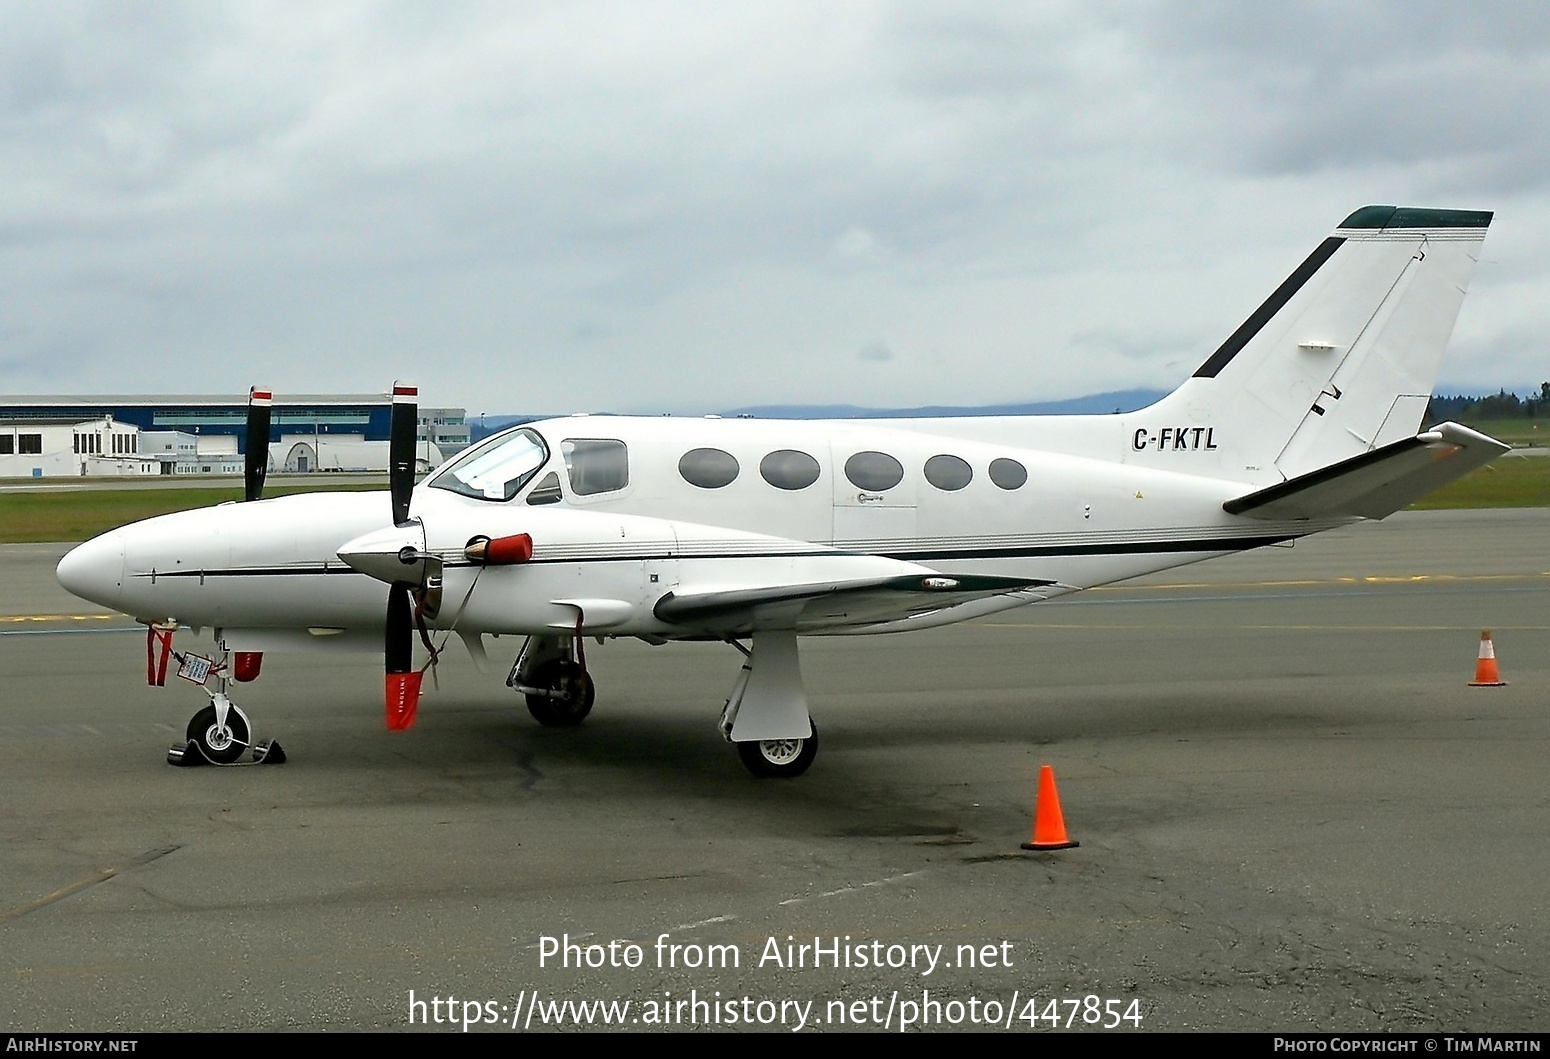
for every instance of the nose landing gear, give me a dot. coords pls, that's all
(221, 739)
(220, 733)
(217, 740)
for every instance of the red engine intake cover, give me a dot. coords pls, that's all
(502, 551)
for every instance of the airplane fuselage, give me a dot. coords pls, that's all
(712, 503)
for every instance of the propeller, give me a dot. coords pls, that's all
(397, 556)
(255, 444)
(403, 680)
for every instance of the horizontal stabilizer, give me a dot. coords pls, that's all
(827, 605)
(1376, 483)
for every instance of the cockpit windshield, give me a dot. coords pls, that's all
(496, 469)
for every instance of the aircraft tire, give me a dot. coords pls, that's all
(779, 758)
(561, 674)
(222, 747)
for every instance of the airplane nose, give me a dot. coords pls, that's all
(95, 570)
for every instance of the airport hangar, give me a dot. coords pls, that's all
(151, 434)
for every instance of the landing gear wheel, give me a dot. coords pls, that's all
(779, 758)
(221, 745)
(565, 677)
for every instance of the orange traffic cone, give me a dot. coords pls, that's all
(1049, 826)
(1486, 675)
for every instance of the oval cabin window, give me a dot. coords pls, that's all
(948, 473)
(708, 468)
(1008, 474)
(874, 471)
(789, 469)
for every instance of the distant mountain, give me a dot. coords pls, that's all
(481, 427)
(1093, 404)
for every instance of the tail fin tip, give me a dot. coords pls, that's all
(1385, 217)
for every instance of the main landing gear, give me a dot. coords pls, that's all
(779, 758)
(551, 673)
(765, 715)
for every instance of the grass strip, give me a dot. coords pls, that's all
(1507, 481)
(80, 514)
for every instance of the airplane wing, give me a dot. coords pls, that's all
(1376, 483)
(827, 605)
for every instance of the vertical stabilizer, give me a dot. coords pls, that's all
(1341, 359)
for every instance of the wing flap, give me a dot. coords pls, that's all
(831, 604)
(1376, 483)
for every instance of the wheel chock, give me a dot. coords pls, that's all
(1049, 825)
(185, 755)
(268, 752)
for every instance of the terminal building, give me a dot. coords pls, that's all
(142, 434)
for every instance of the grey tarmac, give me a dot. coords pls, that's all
(1294, 814)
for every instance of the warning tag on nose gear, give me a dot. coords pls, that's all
(195, 669)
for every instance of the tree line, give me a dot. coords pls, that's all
(1499, 405)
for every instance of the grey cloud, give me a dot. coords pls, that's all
(1132, 346)
(325, 193)
(1298, 88)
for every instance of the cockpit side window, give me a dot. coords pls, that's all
(546, 491)
(496, 469)
(596, 465)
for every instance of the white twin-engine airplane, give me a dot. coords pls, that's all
(758, 532)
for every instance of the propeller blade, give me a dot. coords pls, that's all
(401, 438)
(255, 444)
(403, 680)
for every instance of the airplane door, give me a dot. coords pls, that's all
(874, 500)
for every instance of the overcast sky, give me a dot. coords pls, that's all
(684, 207)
